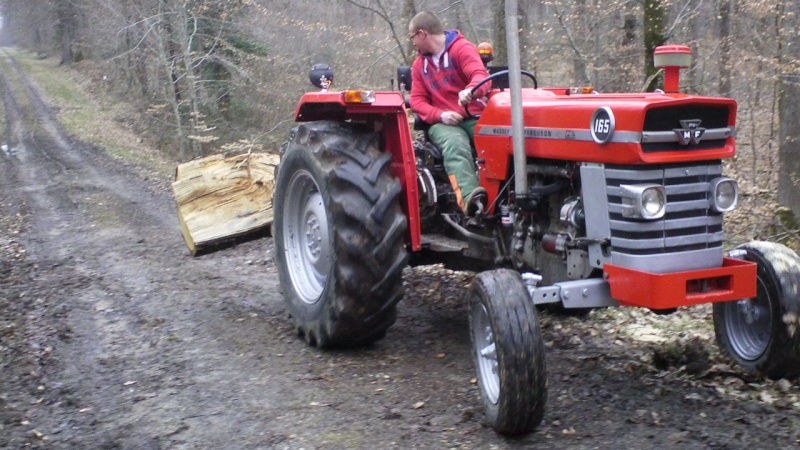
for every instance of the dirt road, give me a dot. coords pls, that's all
(112, 336)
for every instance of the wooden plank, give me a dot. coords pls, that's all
(221, 197)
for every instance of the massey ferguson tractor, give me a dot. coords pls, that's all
(609, 200)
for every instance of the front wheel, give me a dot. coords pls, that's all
(761, 333)
(508, 351)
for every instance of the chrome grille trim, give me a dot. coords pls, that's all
(689, 226)
(671, 136)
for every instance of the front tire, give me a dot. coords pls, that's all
(508, 351)
(339, 235)
(761, 333)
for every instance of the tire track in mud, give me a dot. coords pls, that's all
(114, 251)
(169, 351)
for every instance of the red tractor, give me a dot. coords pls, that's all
(615, 200)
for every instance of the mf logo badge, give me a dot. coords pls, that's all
(603, 125)
(690, 132)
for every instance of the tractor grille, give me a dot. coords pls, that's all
(660, 124)
(688, 225)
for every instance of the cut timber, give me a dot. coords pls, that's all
(221, 197)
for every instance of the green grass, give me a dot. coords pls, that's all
(50, 77)
(3, 120)
(22, 100)
(86, 112)
(67, 95)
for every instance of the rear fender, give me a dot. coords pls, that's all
(388, 116)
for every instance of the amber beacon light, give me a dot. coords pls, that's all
(672, 58)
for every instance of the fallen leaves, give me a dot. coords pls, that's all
(792, 321)
(38, 435)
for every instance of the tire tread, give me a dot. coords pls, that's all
(368, 244)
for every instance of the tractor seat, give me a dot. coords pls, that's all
(404, 84)
(421, 125)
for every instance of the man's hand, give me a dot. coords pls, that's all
(451, 118)
(465, 96)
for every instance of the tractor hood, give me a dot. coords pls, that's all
(642, 128)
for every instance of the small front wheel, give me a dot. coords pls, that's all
(508, 351)
(761, 333)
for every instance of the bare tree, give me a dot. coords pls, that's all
(789, 108)
(499, 36)
(396, 24)
(66, 29)
(725, 8)
(654, 36)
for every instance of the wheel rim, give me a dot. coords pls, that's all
(749, 324)
(487, 355)
(305, 231)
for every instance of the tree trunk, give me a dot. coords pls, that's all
(579, 72)
(222, 197)
(654, 35)
(724, 9)
(499, 43)
(789, 111)
(629, 30)
(525, 24)
(168, 52)
(172, 94)
(186, 42)
(66, 29)
(409, 11)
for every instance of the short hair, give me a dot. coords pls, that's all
(427, 21)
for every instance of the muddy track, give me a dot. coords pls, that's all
(125, 341)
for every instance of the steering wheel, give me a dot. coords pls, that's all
(493, 77)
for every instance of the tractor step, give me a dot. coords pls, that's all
(441, 243)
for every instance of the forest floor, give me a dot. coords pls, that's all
(113, 336)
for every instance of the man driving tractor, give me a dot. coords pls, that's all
(447, 68)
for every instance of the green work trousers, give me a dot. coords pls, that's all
(455, 142)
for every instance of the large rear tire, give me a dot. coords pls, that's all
(762, 333)
(508, 351)
(339, 235)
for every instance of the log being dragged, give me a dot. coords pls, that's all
(221, 197)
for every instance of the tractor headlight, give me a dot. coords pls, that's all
(644, 201)
(724, 194)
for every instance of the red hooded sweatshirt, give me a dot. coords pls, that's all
(434, 90)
